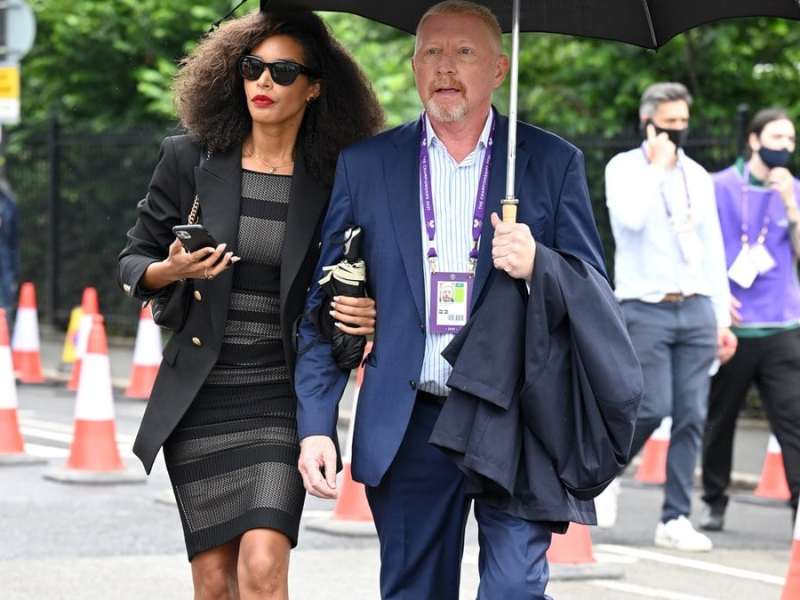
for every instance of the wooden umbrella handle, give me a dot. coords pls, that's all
(509, 211)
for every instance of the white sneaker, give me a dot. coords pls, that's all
(679, 534)
(605, 505)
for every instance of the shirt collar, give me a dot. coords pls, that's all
(483, 141)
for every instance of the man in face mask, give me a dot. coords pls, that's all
(671, 280)
(757, 203)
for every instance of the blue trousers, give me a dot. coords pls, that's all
(420, 512)
(676, 344)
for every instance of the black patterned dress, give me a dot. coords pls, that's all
(233, 457)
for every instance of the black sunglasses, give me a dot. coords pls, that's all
(282, 72)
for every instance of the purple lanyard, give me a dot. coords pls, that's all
(427, 196)
(762, 235)
(685, 188)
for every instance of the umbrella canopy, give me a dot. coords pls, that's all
(646, 23)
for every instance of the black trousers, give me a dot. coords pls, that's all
(772, 363)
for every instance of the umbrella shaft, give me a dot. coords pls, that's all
(510, 202)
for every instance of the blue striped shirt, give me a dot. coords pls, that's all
(455, 187)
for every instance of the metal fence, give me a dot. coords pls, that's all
(77, 196)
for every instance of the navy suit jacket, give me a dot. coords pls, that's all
(377, 188)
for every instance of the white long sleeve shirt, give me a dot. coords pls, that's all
(648, 263)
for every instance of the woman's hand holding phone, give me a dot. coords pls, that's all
(205, 263)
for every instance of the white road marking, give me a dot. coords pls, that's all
(691, 563)
(45, 451)
(317, 514)
(64, 428)
(63, 438)
(616, 559)
(647, 592)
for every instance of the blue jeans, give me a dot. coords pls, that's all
(420, 512)
(676, 345)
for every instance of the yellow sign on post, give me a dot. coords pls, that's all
(9, 95)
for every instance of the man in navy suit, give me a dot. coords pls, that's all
(426, 195)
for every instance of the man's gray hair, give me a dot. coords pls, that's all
(658, 93)
(464, 7)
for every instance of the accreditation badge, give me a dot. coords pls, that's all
(743, 271)
(450, 301)
(689, 243)
(761, 258)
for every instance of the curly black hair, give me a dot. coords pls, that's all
(211, 103)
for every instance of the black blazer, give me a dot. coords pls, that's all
(184, 168)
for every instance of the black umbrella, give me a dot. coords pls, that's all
(645, 23)
(346, 278)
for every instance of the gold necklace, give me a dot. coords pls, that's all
(270, 168)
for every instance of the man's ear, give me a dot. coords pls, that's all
(502, 67)
(752, 140)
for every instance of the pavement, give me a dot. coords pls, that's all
(85, 542)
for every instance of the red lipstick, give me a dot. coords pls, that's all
(262, 101)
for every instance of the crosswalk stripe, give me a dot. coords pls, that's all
(63, 428)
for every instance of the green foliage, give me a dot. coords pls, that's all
(110, 64)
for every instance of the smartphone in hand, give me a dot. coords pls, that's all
(194, 237)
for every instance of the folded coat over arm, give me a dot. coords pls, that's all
(544, 392)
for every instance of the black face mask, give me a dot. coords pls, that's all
(676, 136)
(774, 158)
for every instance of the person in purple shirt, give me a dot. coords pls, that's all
(757, 203)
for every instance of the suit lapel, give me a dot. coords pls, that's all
(402, 184)
(219, 187)
(306, 206)
(497, 191)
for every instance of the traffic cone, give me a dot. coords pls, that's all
(791, 590)
(653, 466)
(773, 485)
(571, 557)
(90, 306)
(94, 455)
(772, 488)
(146, 356)
(12, 447)
(71, 340)
(351, 516)
(25, 344)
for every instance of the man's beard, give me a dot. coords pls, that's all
(446, 114)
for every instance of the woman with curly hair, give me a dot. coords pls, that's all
(269, 101)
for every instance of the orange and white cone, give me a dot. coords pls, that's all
(94, 455)
(772, 484)
(791, 589)
(351, 516)
(90, 306)
(146, 357)
(653, 466)
(25, 343)
(12, 447)
(571, 557)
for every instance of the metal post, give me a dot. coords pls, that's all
(3, 57)
(742, 115)
(54, 222)
(510, 202)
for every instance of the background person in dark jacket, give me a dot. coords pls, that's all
(270, 100)
(9, 251)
